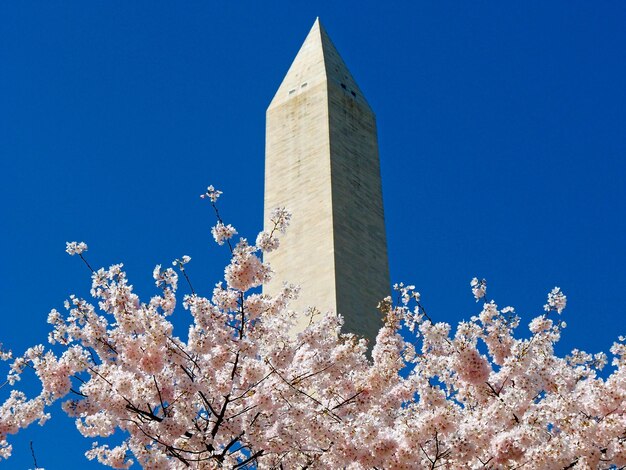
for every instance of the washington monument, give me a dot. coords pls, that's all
(321, 163)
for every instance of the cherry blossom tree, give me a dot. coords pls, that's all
(240, 391)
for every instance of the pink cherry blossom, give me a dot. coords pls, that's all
(241, 390)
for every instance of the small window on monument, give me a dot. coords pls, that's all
(343, 85)
(353, 93)
(303, 85)
(291, 92)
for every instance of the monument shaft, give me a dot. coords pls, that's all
(322, 164)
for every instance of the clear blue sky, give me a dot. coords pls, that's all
(502, 130)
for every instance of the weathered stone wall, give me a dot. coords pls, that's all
(322, 164)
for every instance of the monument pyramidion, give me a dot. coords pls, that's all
(321, 163)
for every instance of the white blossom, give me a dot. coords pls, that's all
(222, 232)
(75, 248)
(479, 288)
(280, 217)
(556, 301)
(211, 193)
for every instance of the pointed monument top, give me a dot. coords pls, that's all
(317, 62)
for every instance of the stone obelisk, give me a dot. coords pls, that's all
(321, 163)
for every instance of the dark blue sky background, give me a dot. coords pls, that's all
(502, 131)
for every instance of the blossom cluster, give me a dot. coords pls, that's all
(479, 288)
(556, 301)
(222, 232)
(212, 194)
(75, 248)
(240, 390)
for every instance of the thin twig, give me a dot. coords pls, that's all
(86, 262)
(32, 451)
